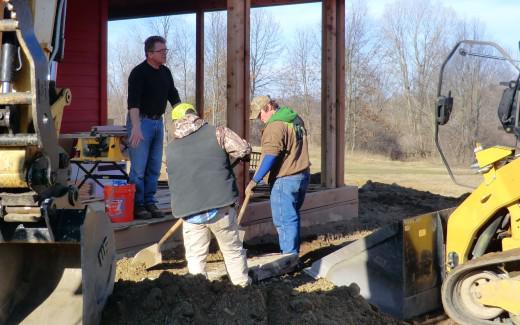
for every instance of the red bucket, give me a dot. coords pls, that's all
(119, 202)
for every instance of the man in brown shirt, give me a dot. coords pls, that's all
(285, 157)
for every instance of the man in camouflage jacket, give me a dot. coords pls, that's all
(204, 191)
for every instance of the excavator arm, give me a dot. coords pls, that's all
(57, 255)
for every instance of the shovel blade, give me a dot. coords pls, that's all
(149, 256)
(241, 234)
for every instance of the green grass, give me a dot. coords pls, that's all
(425, 175)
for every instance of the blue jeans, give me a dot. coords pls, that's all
(146, 160)
(287, 196)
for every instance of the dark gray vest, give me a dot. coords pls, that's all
(199, 174)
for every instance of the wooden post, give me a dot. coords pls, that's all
(340, 93)
(103, 101)
(238, 76)
(328, 94)
(199, 62)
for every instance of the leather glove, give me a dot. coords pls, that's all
(250, 187)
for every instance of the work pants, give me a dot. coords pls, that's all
(224, 227)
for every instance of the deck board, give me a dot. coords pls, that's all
(321, 206)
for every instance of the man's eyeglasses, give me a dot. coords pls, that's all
(161, 51)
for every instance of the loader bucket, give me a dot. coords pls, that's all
(397, 268)
(64, 282)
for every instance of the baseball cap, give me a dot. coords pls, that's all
(257, 104)
(180, 110)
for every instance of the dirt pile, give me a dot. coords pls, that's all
(181, 299)
(381, 204)
(166, 295)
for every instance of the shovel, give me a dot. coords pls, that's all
(242, 232)
(151, 255)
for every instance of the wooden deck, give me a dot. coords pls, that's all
(321, 207)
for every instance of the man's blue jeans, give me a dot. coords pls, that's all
(146, 160)
(287, 196)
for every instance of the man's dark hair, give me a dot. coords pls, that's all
(274, 103)
(149, 44)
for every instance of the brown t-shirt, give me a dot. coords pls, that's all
(280, 139)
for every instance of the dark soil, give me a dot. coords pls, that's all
(166, 295)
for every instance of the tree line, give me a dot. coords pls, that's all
(392, 67)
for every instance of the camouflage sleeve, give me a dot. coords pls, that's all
(232, 143)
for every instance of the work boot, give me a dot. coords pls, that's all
(140, 212)
(154, 210)
(246, 284)
(291, 261)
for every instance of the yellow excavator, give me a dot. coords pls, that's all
(465, 259)
(57, 255)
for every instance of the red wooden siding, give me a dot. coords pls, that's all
(83, 69)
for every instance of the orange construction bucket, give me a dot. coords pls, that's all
(119, 202)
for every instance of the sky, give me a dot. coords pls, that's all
(499, 16)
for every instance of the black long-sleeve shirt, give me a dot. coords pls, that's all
(150, 88)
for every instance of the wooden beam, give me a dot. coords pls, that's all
(199, 63)
(340, 92)
(103, 102)
(125, 9)
(328, 94)
(270, 3)
(320, 209)
(238, 76)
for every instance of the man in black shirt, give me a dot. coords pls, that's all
(150, 85)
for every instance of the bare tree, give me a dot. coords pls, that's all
(123, 56)
(181, 57)
(301, 77)
(265, 47)
(415, 36)
(215, 61)
(362, 78)
(184, 60)
(475, 84)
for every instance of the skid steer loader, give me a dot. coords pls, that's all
(465, 259)
(57, 256)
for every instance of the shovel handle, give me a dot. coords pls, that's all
(178, 224)
(243, 208)
(170, 232)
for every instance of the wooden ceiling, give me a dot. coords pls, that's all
(124, 9)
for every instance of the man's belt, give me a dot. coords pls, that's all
(151, 116)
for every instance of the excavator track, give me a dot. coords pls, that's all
(459, 301)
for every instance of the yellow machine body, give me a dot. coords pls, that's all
(500, 189)
(102, 147)
(57, 255)
(482, 285)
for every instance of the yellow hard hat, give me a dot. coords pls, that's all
(182, 109)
